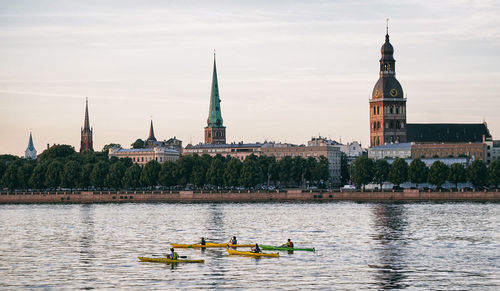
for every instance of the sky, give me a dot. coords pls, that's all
(287, 70)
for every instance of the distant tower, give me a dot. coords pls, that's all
(387, 105)
(86, 137)
(215, 132)
(151, 139)
(30, 152)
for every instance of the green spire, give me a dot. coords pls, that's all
(214, 112)
(30, 143)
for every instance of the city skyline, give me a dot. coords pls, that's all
(278, 69)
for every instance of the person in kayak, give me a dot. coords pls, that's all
(256, 249)
(173, 255)
(288, 244)
(203, 242)
(233, 241)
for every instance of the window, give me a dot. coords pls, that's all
(378, 112)
(390, 110)
(374, 112)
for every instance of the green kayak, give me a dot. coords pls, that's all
(264, 247)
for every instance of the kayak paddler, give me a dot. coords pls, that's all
(233, 241)
(256, 249)
(173, 255)
(203, 242)
(288, 244)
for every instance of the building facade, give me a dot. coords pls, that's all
(86, 141)
(215, 131)
(475, 151)
(492, 151)
(387, 151)
(143, 156)
(30, 152)
(387, 104)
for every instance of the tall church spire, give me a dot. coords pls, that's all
(214, 111)
(215, 131)
(86, 142)
(151, 133)
(30, 152)
(86, 123)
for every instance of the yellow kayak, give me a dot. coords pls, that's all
(168, 261)
(211, 245)
(252, 254)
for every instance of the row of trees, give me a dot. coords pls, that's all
(61, 166)
(365, 170)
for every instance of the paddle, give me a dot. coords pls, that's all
(181, 257)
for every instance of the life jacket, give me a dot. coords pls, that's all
(289, 244)
(174, 256)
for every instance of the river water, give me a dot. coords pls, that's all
(427, 246)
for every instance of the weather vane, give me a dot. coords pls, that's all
(387, 25)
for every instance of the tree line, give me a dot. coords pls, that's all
(365, 170)
(62, 167)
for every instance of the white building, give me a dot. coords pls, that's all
(492, 151)
(30, 152)
(143, 156)
(393, 150)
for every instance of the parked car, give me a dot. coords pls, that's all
(349, 187)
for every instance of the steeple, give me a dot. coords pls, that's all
(151, 133)
(86, 123)
(215, 131)
(214, 111)
(86, 142)
(30, 152)
(387, 104)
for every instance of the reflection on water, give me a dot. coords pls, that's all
(358, 246)
(389, 226)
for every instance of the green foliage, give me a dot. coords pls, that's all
(37, 179)
(115, 175)
(344, 169)
(477, 173)
(232, 172)
(199, 171)
(438, 173)
(215, 172)
(70, 176)
(106, 148)
(299, 170)
(99, 173)
(138, 144)
(398, 173)
(457, 174)
(285, 164)
(132, 176)
(251, 173)
(494, 173)
(10, 178)
(149, 174)
(53, 174)
(418, 172)
(57, 152)
(167, 176)
(381, 171)
(85, 175)
(184, 168)
(320, 171)
(362, 171)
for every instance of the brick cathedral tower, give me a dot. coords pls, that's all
(387, 104)
(215, 131)
(86, 133)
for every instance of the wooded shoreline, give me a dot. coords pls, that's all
(290, 195)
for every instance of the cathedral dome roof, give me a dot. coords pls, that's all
(387, 88)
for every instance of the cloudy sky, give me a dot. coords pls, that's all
(288, 70)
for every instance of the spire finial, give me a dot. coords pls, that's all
(387, 26)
